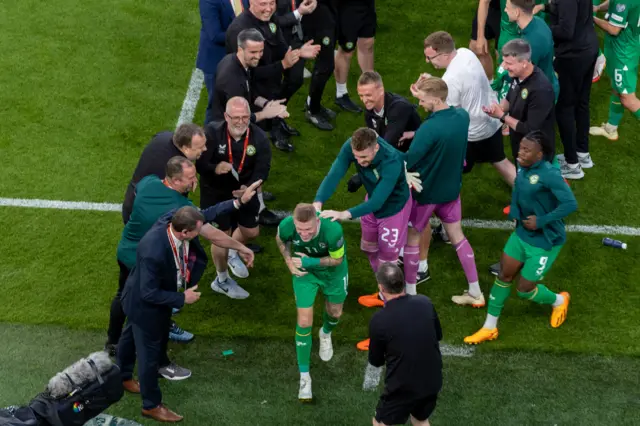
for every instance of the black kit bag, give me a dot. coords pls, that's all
(84, 403)
(18, 416)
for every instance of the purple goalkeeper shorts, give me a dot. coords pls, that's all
(450, 212)
(386, 236)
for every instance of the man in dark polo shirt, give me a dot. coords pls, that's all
(393, 117)
(405, 335)
(239, 155)
(529, 105)
(277, 57)
(234, 78)
(187, 141)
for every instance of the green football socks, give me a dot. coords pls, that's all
(637, 114)
(615, 110)
(541, 294)
(499, 294)
(329, 323)
(303, 348)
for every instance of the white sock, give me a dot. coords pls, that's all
(261, 200)
(232, 253)
(401, 252)
(583, 154)
(223, 276)
(305, 375)
(341, 89)
(411, 289)
(424, 266)
(474, 289)
(559, 301)
(491, 322)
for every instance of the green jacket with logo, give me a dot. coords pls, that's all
(541, 191)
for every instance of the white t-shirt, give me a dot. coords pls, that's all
(469, 88)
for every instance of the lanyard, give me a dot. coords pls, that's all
(293, 5)
(183, 268)
(244, 150)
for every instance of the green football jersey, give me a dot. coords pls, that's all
(328, 242)
(624, 14)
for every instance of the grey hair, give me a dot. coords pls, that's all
(235, 101)
(518, 48)
(250, 34)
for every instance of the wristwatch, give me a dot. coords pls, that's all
(503, 117)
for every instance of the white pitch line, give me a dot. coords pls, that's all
(192, 97)
(60, 205)
(467, 223)
(456, 350)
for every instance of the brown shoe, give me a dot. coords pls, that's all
(162, 414)
(131, 386)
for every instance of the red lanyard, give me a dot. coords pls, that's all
(244, 150)
(293, 5)
(185, 274)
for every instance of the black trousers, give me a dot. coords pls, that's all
(293, 78)
(117, 317)
(321, 26)
(572, 108)
(148, 346)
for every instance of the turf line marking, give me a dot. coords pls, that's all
(456, 350)
(192, 97)
(467, 223)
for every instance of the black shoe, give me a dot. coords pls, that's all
(423, 277)
(329, 114)
(347, 104)
(291, 131)
(268, 196)
(255, 248)
(110, 349)
(400, 261)
(319, 120)
(495, 269)
(280, 139)
(268, 218)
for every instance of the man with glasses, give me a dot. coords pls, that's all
(238, 155)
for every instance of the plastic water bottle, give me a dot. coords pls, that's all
(614, 243)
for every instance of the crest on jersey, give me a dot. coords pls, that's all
(326, 41)
(524, 93)
(251, 150)
(221, 149)
(322, 245)
(533, 179)
(273, 27)
(349, 45)
(620, 8)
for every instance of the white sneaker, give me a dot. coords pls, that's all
(237, 266)
(229, 288)
(583, 158)
(304, 394)
(467, 299)
(571, 172)
(326, 347)
(602, 131)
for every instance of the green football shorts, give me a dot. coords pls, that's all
(334, 288)
(537, 261)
